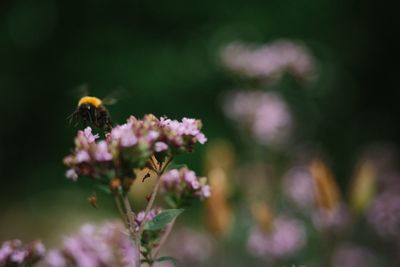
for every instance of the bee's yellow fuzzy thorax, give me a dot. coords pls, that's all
(90, 100)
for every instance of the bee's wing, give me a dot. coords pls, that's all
(80, 90)
(114, 96)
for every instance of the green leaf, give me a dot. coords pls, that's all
(162, 219)
(168, 258)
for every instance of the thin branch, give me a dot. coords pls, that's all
(160, 172)
(131, 216)
(163, 239)
(120, 209)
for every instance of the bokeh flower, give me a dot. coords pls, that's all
(190, 246)
(298, 186)
(383, 214)
(265, 114)
(107, 246)
(15, 253)
(269, 61)
(351, 255)
(286, 237)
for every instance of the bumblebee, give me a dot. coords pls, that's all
(91, 111)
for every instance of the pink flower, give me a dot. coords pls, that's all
(124, 135)
(286, 238)
(55, 259)
(82, 156)
(191, 179)
(268, 62)
(89, 136)
(71, 174)
(160, 146)
(205, 191)
(184, 184)
(102, 153)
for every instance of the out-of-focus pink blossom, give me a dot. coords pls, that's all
(190, 247)
(71, 174)
(269, 61)
(299, 187)
(108, 246)
(124, 134)
(350, 255)
(286, 237)
(160, 146)
(14, 252)
(384, 214)
(82, 156)
(335, 219)
(102, 153)
(265, 114)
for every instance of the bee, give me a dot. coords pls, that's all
(91, 110)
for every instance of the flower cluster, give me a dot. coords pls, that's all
(270, 61)
(108, 246)
(351, 255)
(14, 252)
(383, 214)
(130, 146)
(298, 186)
(286, 237)
(190, 246)
(183, 185)
(265, 114)
(150, 215)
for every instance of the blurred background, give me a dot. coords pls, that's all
(327, 68)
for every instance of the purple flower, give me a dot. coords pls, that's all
(286, 237)
(14, 252)
(19, 256)
(150, 215)
(334, 219)
(268, 62)
(71, 174)
(160, 146)
(89, 136)
(384, 214)
(191, 179)
(107, 246)
(130, 146)
(171, 178)
(350, 255)
(124, 135)
(190, 247)
(102, 153)
(265, 114)
(184, 183)
(55, 259)
(298, 185)
(82, 156)
(205, 191)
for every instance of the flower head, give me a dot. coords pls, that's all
(14, 252)
(106, 246)
(265, 114)
(130, 146)
(286, 237)
(270, 61)
(183, 185)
